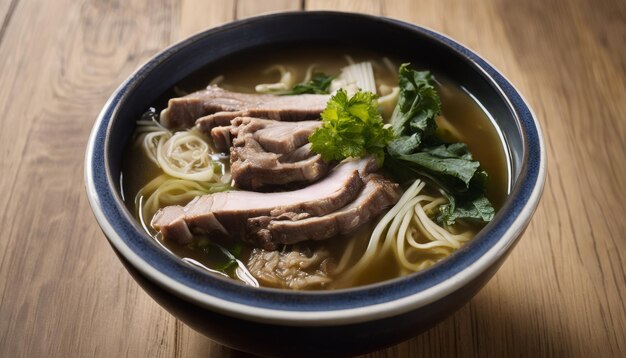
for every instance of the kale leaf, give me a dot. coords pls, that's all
(479, 209)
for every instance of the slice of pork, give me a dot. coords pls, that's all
(273, 136)
(377, 195)
(228, 212)
(265, 154)
(218, 106)
(222, 140)
(254, 169)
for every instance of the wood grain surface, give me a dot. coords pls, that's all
(63, 293)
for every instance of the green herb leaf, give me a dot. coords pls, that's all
(227, 266)
(450, 166)
(454, 171)
(318, 84)
(418, 104)
(229, 256)
(479, 209)
(351, 127)
(235, 250)
(417, 152)
(405, 144)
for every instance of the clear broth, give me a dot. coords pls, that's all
(242, 73)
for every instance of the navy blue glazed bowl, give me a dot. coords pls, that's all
(278, 322)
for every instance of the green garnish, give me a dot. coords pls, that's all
(351, 127)
(410, 148)
(318, 84)
(418, 152)
(227, 257)
(477, 209)
(418, 105)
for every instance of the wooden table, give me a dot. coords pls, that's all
(65, 294)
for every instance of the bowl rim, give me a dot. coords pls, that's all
(306, 308)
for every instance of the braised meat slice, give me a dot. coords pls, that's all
(218, 106)
(266, 153)
(274, 136)
(254, 169)
(227, 213)
(377, 195)
(221, 138)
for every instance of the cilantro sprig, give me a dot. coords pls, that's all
(351, 127)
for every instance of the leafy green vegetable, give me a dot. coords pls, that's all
(227, 257)
(457, 176)
(235, 250)
(418, 103)
(454, 173)
(479, 209)
(351, 127)
(404, 144)
(417, 152)
(318, 84)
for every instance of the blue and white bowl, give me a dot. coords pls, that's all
(279, 322)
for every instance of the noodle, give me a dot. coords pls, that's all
(283, 85)
(164, 190)
(407, 232)
(183, 155)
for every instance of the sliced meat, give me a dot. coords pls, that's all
(267, 153)
(219, 119)
(218, 106)
(228, 212)
(301, 153)
(274, 136)
(221, 138)
(254, 169)
(377, 195)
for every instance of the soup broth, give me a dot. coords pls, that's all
(462, 119)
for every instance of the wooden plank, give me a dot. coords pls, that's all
(372, 7)
(7, 7)
(57, 80)
(572, 249)
(247, 8)
(64, 293)
(62, 290)
(198, 15)
(582, 212)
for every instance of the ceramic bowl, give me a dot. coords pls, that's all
(279, 322)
